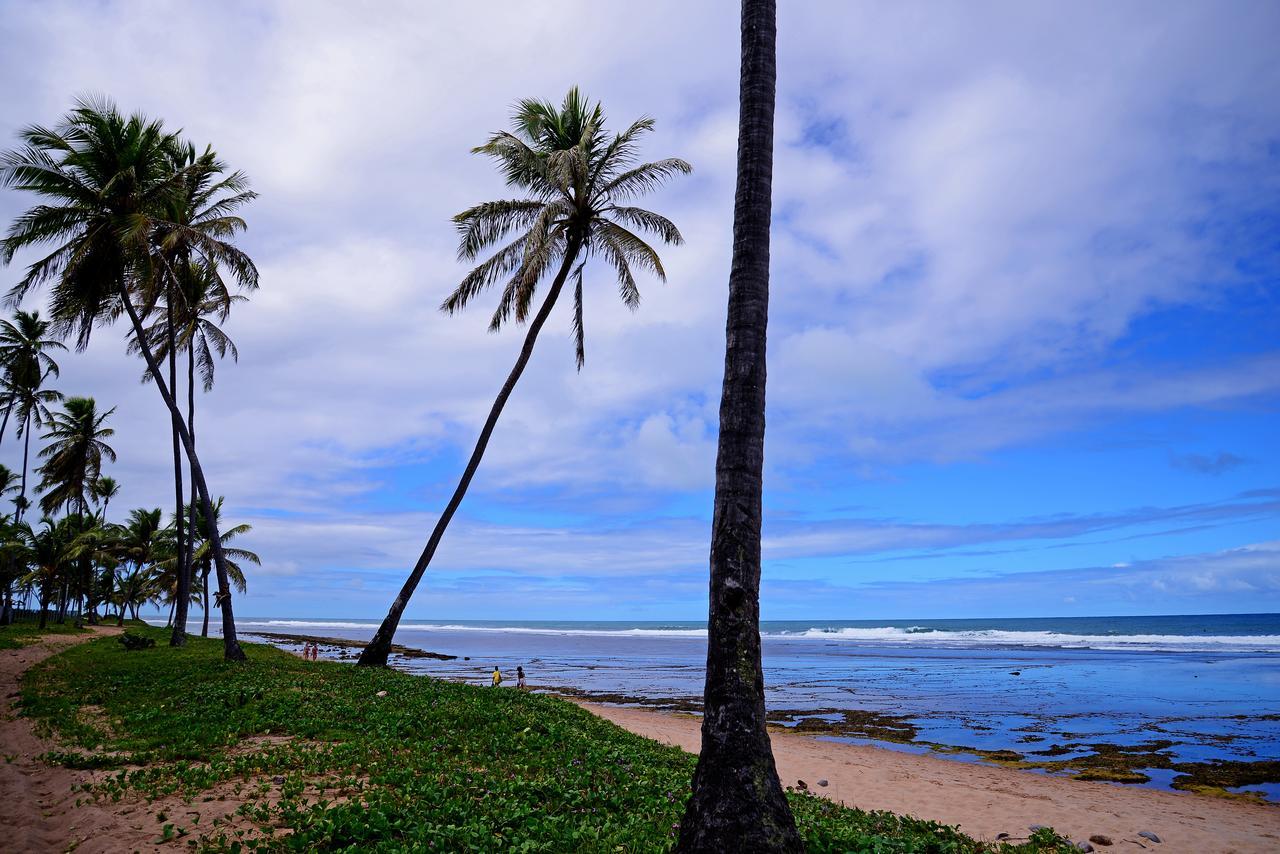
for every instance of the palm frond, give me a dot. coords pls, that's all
(643, 179)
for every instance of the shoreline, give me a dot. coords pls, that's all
(985, 800)
(982, 801)
(1162, 753)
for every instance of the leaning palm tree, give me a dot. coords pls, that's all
(111, 189)
(578, 184)
(192, 239)
(77, 439)
(737, 802)
(24, 358)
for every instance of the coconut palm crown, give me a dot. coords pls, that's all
(579, 183)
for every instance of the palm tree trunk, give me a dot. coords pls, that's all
(230, 646)
(179, 636)
(375, 654)
(191, 523)
(204, 583)
(737, 801)
(4, 425)
(26, 455)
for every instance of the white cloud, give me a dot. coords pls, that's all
(973, 204)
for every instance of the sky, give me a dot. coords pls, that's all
(1023, 345)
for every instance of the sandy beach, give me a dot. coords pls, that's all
(987, 800)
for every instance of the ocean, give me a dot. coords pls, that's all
(1144, 693)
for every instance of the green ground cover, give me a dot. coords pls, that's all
(323, 762)
(21, 633)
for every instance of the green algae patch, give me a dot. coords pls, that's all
(1119, 775)
(847, 723)
(325, 756)
(1216, 778)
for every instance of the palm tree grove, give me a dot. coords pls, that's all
(297, 553)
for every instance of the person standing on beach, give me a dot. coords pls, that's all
(520, 677)
(497, 677)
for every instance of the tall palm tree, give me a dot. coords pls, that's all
(193, 238)
(32, 403)
(578, 182)
(111, 190)
(24, 357)
(190, 316)
(737, 801)
(77, 439)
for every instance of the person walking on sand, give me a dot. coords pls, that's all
(497, 676)
(520, 678)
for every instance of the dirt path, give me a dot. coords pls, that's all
(40, 813)
(986, 800)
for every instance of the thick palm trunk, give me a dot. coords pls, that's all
(737, 802)
(375, 654)
(179, 636)
(230, 646)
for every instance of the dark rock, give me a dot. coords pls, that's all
(1101, 839)
(802, 785)
(823, 783)
(1002, 835)
(277, 780)
(1084, 846)
(1146, 834)
(1015, 672)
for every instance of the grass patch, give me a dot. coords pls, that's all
(322, 762)
(20, 634)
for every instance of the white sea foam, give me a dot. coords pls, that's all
(917, 636)
(922, 636)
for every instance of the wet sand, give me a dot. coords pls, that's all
(988, 800)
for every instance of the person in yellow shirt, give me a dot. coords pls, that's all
(497, 677)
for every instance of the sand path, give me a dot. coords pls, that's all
(40, 812)
(986, 800)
